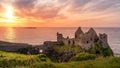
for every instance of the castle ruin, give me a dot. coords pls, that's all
(85, 40)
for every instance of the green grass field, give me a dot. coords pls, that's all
(13, 60)
(8, 59)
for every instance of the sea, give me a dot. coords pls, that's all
(37, 35)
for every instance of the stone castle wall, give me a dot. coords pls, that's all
(85, 40)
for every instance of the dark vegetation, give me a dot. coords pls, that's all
(81, 60)
(60, 56)
(28, 50)
(63, 53)
(83, 56)
(99, 50)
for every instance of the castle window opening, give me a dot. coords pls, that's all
(69, 42)
(87, 42)
(73, 42)
(91, 39)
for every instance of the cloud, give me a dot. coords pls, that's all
(47, 12)
(24, 8)
(25, 4)
(79, 3)
(78, 6)
(105, 5)
(0, 7)
(92, 9)
(65, 10)
(39, 9)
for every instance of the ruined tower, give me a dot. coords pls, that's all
(79, 33)
(59, 38)
(103, 40)
(92, 35)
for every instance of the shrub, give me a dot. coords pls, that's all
(42, 58)
(83, 56)
(99, 50)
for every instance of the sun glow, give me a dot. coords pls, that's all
(9, 14)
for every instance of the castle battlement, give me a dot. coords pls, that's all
(85, 40)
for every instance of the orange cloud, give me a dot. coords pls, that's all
(69, 13)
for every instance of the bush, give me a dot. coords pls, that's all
(107, 52)
(83, 56)
(42, 58)
(99, 50)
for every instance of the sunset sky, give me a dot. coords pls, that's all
(60, 13)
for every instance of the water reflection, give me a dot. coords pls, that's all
(10, 34)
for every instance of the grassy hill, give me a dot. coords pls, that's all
(10, 60)
(13, 60)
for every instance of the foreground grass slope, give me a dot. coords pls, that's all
(13, 60)
(8, 59)
(109, 62)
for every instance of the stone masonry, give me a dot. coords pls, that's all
(85, 40)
